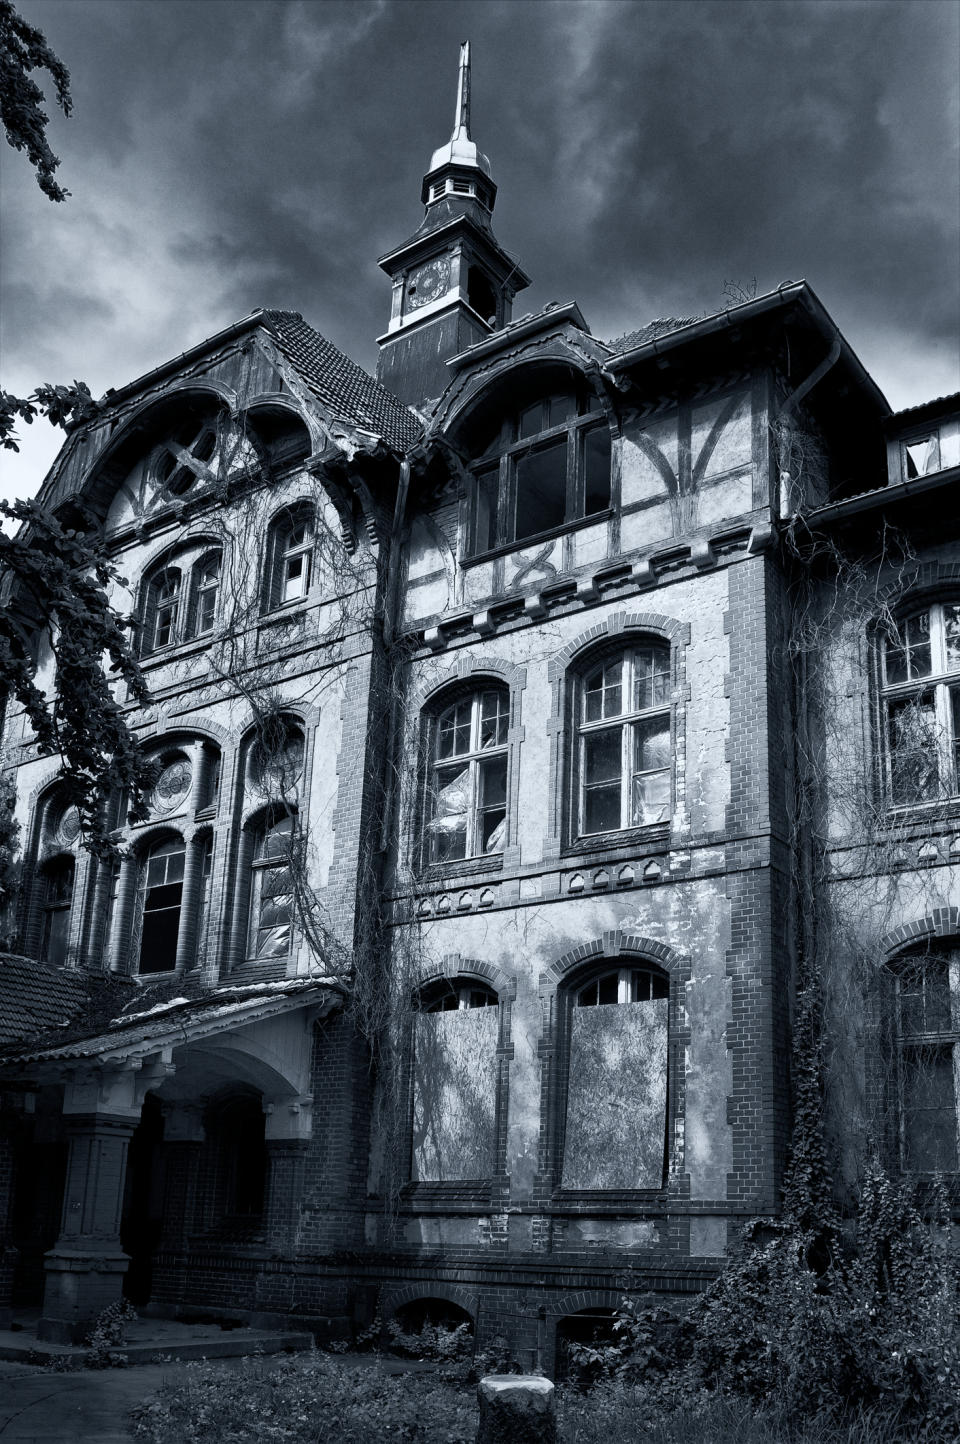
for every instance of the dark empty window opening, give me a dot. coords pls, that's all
(161, 895)
(237, 1129)
(481, 295)
(455, 996)
(58, 877)
(544, 464)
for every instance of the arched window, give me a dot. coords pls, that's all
(921, 699)
(204, 593)
(541, 463)
(456, 1030)
(271, 918)
(927, 1033)
(275, 760)
(58, 875)
(290, 556)
(159, 901)
(624, 760)
(614, 1026)
(466, 795)
(162, 612)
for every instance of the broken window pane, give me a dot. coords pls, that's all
(921, 456)
(908, 650)
(160, 897)
(541, 481)
(616, 1097)
(467, 809)
(492, 804)
(447, 829)
(485, 512)
(914, 750)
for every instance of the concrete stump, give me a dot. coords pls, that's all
(516, 1409)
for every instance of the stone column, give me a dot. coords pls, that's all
(86, 1266)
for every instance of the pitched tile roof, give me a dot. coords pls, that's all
(342, 385)
(138, 1032)
(651, 331)
(35, 999)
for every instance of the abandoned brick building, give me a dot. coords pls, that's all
(475, 707)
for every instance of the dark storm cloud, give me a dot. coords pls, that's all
(228, 155)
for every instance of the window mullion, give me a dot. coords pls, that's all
(626, 774)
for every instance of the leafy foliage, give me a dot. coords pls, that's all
(23, 48)
(66, 406)
(55, 580)
(307, 1400)
(108, 1335)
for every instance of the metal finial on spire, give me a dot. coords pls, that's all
(461, 124)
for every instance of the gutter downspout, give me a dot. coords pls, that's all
(390, 610)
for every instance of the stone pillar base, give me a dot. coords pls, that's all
(81, 1283)
(516, 1409)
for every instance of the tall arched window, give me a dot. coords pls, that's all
(58, 875)
(624, 758)
(271, 917)
(466, 801)
(162, 613)
(204, 594)
(927, 1048)
(290, 556)
(921, 699)
(456, 1029)
(542, 460)
(614, 1027)
(159, 902)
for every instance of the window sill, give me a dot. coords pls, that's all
(176, 652)
(533, 541)
(444, 1197)
(439, 872)
(654, 837)
(605, 1199)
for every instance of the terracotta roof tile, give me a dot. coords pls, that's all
(349, 391)
(35, 1000)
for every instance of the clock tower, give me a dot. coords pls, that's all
(453, 284)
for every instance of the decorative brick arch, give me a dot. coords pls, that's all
(453, 965)
(614, 626)
(613, 944)
(942, 923)
(575, 1303)
(469, 667)
(392, 1299)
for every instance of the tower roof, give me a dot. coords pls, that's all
(460, 149)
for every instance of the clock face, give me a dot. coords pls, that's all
(429, 282)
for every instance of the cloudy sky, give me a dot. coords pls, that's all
(228, 154)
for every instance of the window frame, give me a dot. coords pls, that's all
(260, 865)
(930, 1041)
(172, 845)
(187, 566)
(510, 448)
(282, 553)
(630, 720)
(473, 760)
(938, 689)
(626, 967)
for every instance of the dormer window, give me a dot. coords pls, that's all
(548, 465)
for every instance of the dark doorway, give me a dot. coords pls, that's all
(594, 1327)
(143, 1202)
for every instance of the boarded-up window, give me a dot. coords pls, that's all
(929, 1061)
(617, 1089)
(454, 1098)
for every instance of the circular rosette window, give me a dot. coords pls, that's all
(173, 786)
(68, 827)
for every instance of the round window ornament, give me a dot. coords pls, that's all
(172, 786)
(68, 828)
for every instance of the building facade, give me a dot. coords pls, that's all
(527, 721)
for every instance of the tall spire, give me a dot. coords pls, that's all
(462, 121)
(460, 150)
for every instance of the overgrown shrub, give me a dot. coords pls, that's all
(312, 1399)
(799, 1322)
(105, 1340)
